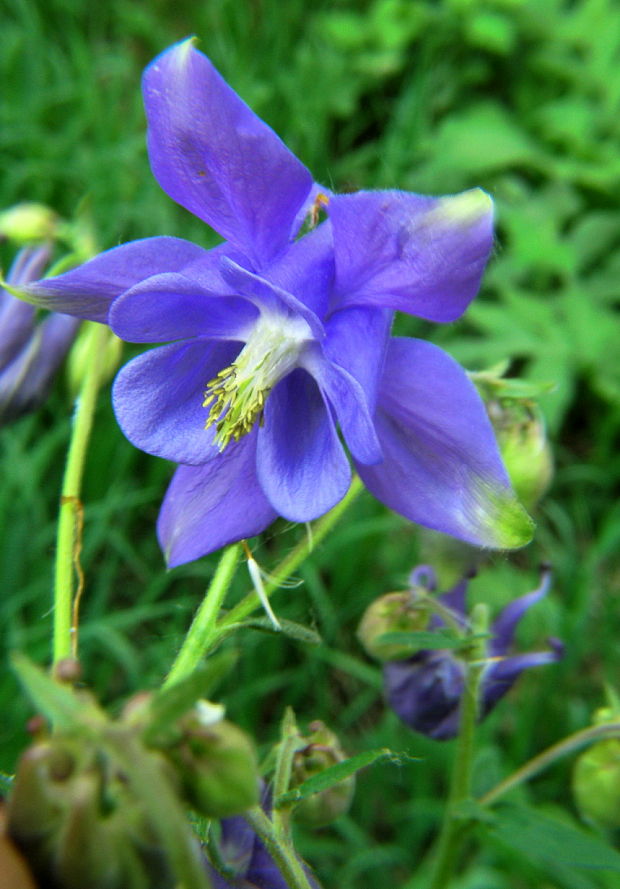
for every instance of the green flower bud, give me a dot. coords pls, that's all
(520, 430)
(322, 751)
(392, 613)
(596, 784)
(216, 764)
(596, 774)
(28, 222)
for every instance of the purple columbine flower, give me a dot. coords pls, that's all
(274, 340)
(30, 352)
(425, 690)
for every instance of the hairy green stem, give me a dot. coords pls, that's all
(282, 852)
(290, 743)
(449, 842)
(70, 514)
(568, 745)
(203, 628)
(292, 562)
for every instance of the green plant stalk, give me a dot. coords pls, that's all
(449, 842)
(290, 743)
(292, 562)
(282, 853)
(538, 763)
(70, 507)
(202, 630)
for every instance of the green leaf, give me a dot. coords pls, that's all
(552, 842)
(422, 639)
(342, 770)
(170, 703)
(289, 628)
(56, 701)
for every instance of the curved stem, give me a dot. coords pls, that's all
(203, 628)
(290, 564)
(70, 514)
(282, 853)
(568, 745)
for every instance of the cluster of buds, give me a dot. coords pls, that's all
(424, 687)
(94, 803)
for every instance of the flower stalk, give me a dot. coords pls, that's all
(68, 537)
(449, 842)
(202, 630)
(282, 853)
(543, 760)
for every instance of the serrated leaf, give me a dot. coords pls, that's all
(546, 840)
(342, 770)
(56, 701)
(173, 701)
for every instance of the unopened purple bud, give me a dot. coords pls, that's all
(30, 352)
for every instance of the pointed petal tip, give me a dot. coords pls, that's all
(465, 209)
(508, 524)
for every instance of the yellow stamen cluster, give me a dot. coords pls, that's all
(236, 396)
(235, 406)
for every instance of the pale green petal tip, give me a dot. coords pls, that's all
(464, 209)
(184, 50)
(17, 292)
(501, 520)
(514, 527)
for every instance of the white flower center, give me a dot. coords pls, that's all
(236, 396)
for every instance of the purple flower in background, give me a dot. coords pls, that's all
(274, 340)
(30, 351)
(425, 690)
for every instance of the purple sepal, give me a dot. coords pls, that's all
(217, 159)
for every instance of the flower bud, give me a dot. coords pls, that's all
(77, 823)
(596, 784)
(28, 222)
(520, 430)
(323, 750)
(394, 612)
(216, 764)
(31, 350)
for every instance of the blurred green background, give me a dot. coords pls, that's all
(521, 97)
